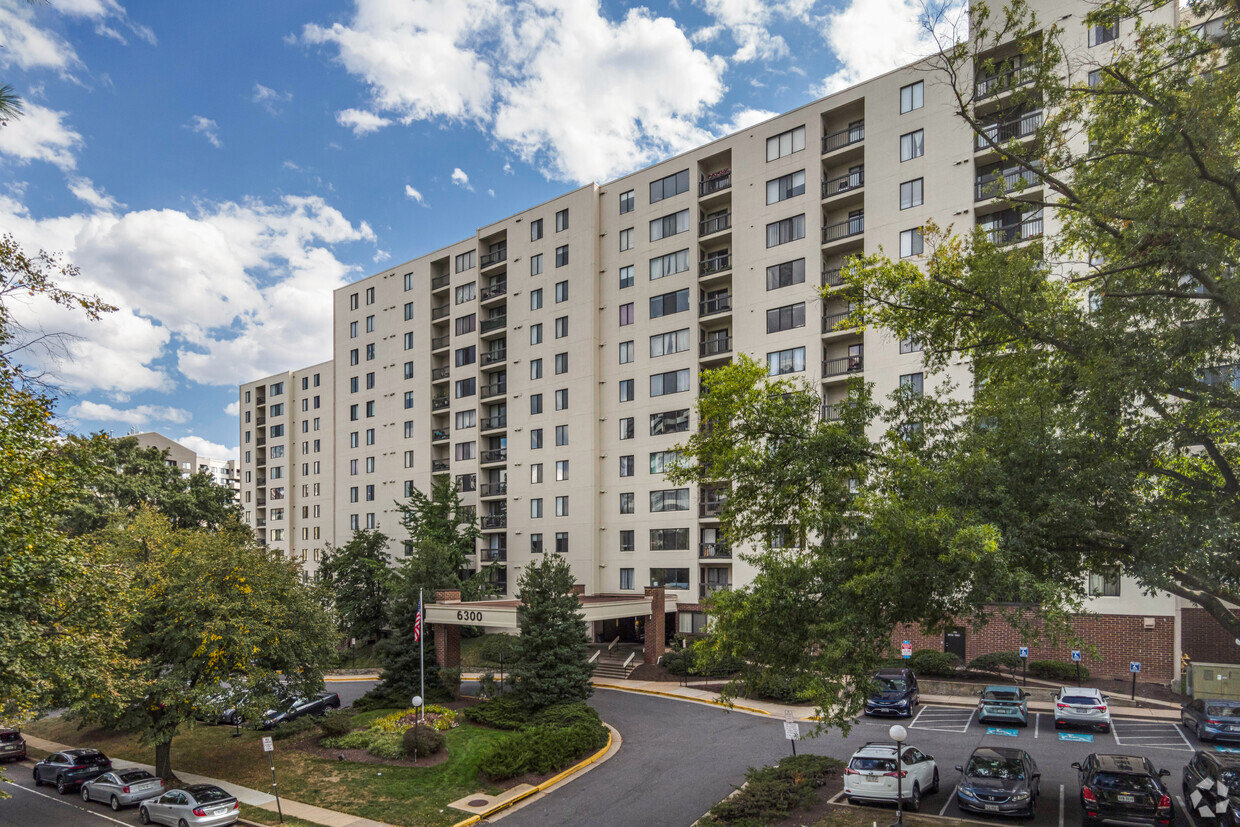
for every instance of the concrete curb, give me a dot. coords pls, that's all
(716, 702)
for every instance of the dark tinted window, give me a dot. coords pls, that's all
(1080, 700)
(209, 795)
(996, 767)
(89, 760)
(130, 776)
(873, 764)
(1002, 695)
(1224, 710)
(9, 737)
(891, 684)
(1125, 782)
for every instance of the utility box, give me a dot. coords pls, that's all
(1213, 680)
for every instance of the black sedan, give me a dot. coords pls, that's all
(1212, 788)
(69, 768)
(301, 707)
(1123, 789)
(999, 781)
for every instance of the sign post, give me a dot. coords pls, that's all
(1076, 659)
(269, 748)
(1024, 665)
(792, 731)
(906, 649)
(1135, 668)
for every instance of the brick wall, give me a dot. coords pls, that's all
(655, 626)
(1118, 639)
(1205, 640)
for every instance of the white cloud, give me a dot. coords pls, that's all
(206, 448)
(138, 416)
(745, 118)
(88, 194)
(269, 98)
(461, 179)
(291, 165)
(233, 408)
(101, 11)
(582, 97)
(870, 37)
(40, 135)
(28, 46)
(415, 195)
(380, 256)
(361, 122)
(206, 127)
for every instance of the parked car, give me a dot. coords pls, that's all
(895, 693)
(871, 775)
(1215, 776)
(1212, 719)
(200, 805)
(12, 745)
(70, 768)
(122, 788)
(1009, 704)
(299, 707)
(1123, 789)
(1083, 707)
(999, 781)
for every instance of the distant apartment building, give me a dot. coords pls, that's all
(549, 362)
(223, 471)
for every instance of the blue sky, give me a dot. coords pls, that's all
(217, 169)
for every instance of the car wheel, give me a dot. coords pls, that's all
(116, 804)
(85, 794)
(1033, 809)
(914, 802)
(61, 786)
(37, 781)
(144, 816)
(934, 785)
(182, 823)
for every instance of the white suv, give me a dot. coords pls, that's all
(871, 775)
(1084, 707)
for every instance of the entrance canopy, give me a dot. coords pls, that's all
(502, 614)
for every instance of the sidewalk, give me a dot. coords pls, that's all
(255, 798)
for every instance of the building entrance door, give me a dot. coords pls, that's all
(954, 642)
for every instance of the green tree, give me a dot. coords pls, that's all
(358, 575)
(208, 608)
(554, 650)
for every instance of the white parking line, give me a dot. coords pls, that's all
(1187, 743)
(918, 716)
(1188, 813)
(1061, 805)
(949, 800)
(1037, 719)
(60, 800)
(1150, 734)
(943, 719)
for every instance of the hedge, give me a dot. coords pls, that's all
(544, 741)
(769, 686)
(1054, 670)
(773, 793)
(997, 662)
(933, 663)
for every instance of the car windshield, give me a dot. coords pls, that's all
(1079, 700)
(873, 764)
(89, 760)
(1125, 782)
(891, 684)
(9, 737)
(130, 776)
(986, 767)
(209, 795)
(1001, 695)
(1223, 710)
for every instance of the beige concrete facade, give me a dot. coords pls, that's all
(225, 472)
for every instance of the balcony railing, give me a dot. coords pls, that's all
(490, 423)
(845, 183)
(494, 489)
(715, 264)
(842, 366)
(715, 346)
(440, 342)
(714, 551)
(439, 434)
(490, 522)
(492, 389)
(831, 322)
(711, 508)
(707, 589)
(495, 455)
(1004, 181)
(719, 304)
(833, 277)
(718, 182)
(854, 134)
(493, 257)
(495, 356)
(492, 291)
(440, 282)
(438, 403)
(1005, 81)
(439, 374)
(715, 224)
(832, 413)
(1015, 233)
(1022, 126)
(260, 523)
(494, 323)
(440, 465)
(440, 312)
(844, 229)
(493, 555)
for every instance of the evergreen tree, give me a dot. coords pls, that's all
(554, 661)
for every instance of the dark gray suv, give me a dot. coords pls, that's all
(68, 768)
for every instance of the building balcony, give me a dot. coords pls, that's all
(707, 589)
(493, 522)
(715, 346)
(439, 434)
(440, 374)
(494, 455)
(492, 389)
(440, 312)
(439, 403)
(718, 182)
(494, 356)
(493, 291)
(833, 277)
(851, 182)
(492, 258)
(493, 324)
(839, 231)
(835, 141)
(711, 509)
(715, 264)
(714, 551)
(491, 423)
(440, 282)
(988, 86)
(716, 224)
(712, 307)
(494, 489)
(1010, 129)
(832, 413)
(842, 366)
(440, 465)
(835, 322)
(1003, 182)
(440, 342)
(489, 554)
(1015, 233)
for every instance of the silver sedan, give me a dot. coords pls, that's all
(201, 805)
(122, 788)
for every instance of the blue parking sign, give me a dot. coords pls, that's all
(1024, 651)
(1076, 655)
(1134, 666)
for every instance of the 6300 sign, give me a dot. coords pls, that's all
(467, 615)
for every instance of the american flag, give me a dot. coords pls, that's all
(417, 621)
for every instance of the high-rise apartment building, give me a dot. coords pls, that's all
(223, 471)
(549, 362)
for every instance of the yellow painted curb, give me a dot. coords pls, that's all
(550, 782)
(716, 702)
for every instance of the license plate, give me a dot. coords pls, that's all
(218, 810)
(1126, 799)
(871, 779)
(992, 808)
(10, 747)
(1082, 710)
(1229, 729)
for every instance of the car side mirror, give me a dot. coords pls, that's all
(1164, 773)
(1076, 765)
(1036, 775)
(959, 769)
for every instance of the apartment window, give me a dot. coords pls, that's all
(536, 368)
(785, 143)
(277, 472)
(536, 438)
(626, 239)
(353, 330)
(536, 544)
(672, 499)
(912, 145)
(370, 324)
(912, 383)
(561, 542)
(466, 419)
(677, 381)
(466, 292)
(663, 344)
(408, 281)
(536, 508)
(409, 341)
(1103, 34)
(276, 389)
(1094, 79)
(561, 470)
(627, 202)
(669, 303)
(669, 225)
(408, 375)
(910, 346)
(561, 291)
(912, 96)
(785, 318)
(408, 311)
(278, 410)
(536, 406)
(627, 465)
(536, 265)
(408, 429)
(536, 334)
(561, 399)
(353, 356)
(561, 435)
(408, 399)
(626, 428)
(626, 314)
(354, 387)
(561, 220)
(627, 502)
(466, 324)
(627, 391)
(910, 194)
(353, 301)
(669, 539)
(911, 242)
(561, 363)
(561, 327)
(370, 493)
(536, 229)
(669, 264)
(370, 295)
(536, 299)
(353, 494)
(466, 355)
(536, 473)
(355, 439)
(466, 387)
(465, 261)
(626, 575)
(370, 382)
(669, 422)
(277, 451)
(627, 352)
(1104, 584)
(353, 467)
(353, 413)
(781, 232)
(626, 276)
(786, 274)
(788, 186)
(561, 256)
(370, 436)
(370, 465)
(780, 362)
(669, 186)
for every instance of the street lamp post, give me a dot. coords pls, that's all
(417, 702)
(898, 734)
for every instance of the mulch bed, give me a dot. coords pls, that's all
(360, 756)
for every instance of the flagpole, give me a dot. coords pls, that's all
(421, 659)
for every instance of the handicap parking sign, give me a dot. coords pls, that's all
(1134, 666)
(1024, 651)
(998, 730)
(1076, 736)
(1076, 655)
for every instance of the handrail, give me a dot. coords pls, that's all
(612, 645)
(594, 658)
(848, 136)
(630, 659)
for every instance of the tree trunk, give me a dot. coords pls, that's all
(163, 763)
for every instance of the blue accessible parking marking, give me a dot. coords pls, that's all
(1227, 749)
(1076, 736)
(998, 730)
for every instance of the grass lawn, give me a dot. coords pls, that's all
(397, 795)
(471, 654)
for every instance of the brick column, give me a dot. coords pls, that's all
(655, 626)
(448, 645)
(444, 595)
(579, 589)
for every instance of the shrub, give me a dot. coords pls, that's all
(569, 713)
(679, 661)
(541, 749)
(389, 745)
(451, 679)
(1053, 670)
(423, 740)
(353, 740)
(771, 686)
(772, 793)
(999, 662)
(502, 713)
(487, 685)
(495, 646)
(290, 728)
(336, 722)
(934, 663)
